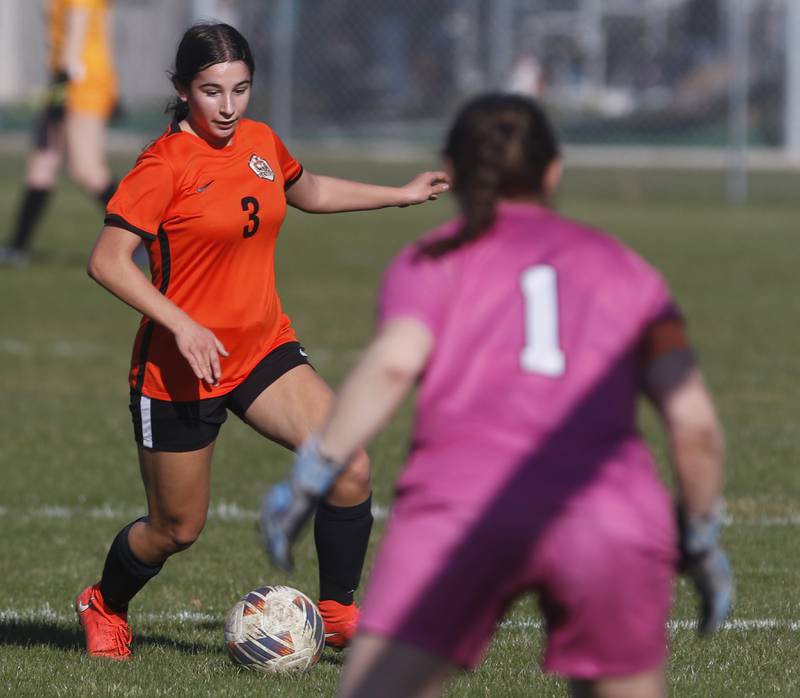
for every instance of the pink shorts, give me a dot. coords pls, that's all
(602, 564)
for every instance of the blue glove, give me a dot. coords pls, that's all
(704, 561)
(287, 507)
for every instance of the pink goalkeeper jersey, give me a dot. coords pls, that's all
(538, 330)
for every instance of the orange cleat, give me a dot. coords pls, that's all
(340, 622)
(107, 632)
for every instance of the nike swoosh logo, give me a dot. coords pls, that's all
(200, 190)
(82, 607)
(302, 353)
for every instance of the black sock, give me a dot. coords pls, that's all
(341, 535)
(30, 211)
(124, 574)
(105, 196)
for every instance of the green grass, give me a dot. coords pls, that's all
(69, 477)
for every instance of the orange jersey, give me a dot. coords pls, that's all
(211, 218)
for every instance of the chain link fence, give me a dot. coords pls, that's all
(624, 72)
(670, 72)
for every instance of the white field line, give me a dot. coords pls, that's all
(223, 511)
(764, 521)
(229, 511)
(49, 614)
(19, 347)
(738, 624)
(61, 348)
(67, 349)
(72, 349)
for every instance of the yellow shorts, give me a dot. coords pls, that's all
(94, 95)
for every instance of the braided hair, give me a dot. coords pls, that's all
(204, 45)
(500, 146)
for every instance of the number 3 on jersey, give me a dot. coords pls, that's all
(251, 228)
(541, 353)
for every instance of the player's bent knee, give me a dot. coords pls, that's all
(354, 484)
(42, 172)
(177, 536)
(92, 178)
(357, 473)
(183, 537)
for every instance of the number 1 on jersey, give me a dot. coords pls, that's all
(541, 353)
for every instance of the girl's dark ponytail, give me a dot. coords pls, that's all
(179, 109)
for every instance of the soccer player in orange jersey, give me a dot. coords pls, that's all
(82, 96)
(208, 198)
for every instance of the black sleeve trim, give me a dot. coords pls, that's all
(119, 222)
(291, 182)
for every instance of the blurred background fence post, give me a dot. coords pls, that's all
(10, 53)
(501, 43)
(793, 81)
(738, 97)
(282, 32)
(594, 38)
(203, 9)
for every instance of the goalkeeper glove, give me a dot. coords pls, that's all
(287, 506)
(707, 565)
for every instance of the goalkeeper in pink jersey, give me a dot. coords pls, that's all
(532, 337)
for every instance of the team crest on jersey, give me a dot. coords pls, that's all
(261, 167)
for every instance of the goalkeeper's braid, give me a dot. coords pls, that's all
(499, 146)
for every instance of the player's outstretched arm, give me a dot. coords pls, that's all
(315, 193)
(111, 265)
(77, 27)
(368, 398)
(676, 386)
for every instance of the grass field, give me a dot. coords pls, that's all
(69, 478)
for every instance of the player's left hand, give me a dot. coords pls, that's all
(75, 68)
(713, 578)
(426, 186)
(705, 562)
(287, 507)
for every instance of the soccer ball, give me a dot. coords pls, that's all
(275, 629)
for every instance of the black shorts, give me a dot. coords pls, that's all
(188, 426)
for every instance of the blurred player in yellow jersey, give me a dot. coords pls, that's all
(81, 98)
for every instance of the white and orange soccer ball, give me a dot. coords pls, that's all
(275, 629)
